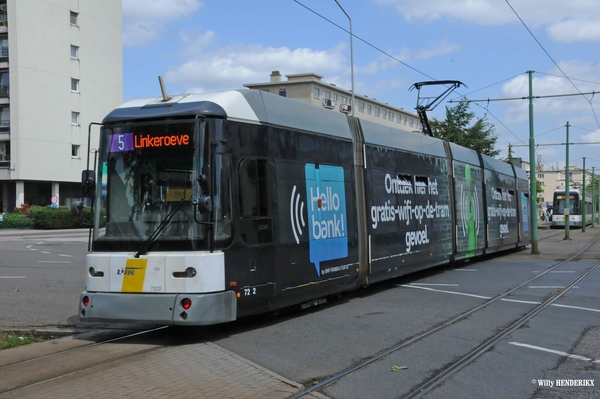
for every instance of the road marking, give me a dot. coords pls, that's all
(12, 276)
(53, 261)
(548, 286)
(518, 301)
(68, 256)
(45, 252)
(419, 286)
(443, 285)
(556, 271)
(446, 292)
(539, 348)
(576, 307)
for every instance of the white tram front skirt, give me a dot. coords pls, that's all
(152, 289)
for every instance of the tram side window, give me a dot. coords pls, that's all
(254, 202)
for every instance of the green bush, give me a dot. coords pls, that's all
(46, 218)
(16, 221)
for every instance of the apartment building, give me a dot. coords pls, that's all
(60, 69)
(551, 180)
(309, 88)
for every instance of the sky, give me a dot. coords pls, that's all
(488, 45)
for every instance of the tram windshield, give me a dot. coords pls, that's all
(559, 203)
(149, 180)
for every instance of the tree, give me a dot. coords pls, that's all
(479, 137)
(510, 158)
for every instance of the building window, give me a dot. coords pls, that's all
(376, 112)
(391, 116)
(4, 84)
(74, 16)
(75, 85)
(74, 118)
(540, 175)
(398, 118)
(4, 151)
(411, 122)
(344, 100)
(335, 97)
(361, 106)
(369, 109)
(74, 52)
(316, 93)
(75, 150)
(405, 120)
(3, 48)
(384, 114)
(283, 92)
(4, 118)
(326, 95)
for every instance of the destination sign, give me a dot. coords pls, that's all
(129, 141)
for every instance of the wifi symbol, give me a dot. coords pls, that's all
(296, 214)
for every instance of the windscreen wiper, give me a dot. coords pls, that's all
(148, 243)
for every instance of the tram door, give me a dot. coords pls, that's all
(257, 274)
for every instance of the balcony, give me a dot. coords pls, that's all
(4, 54)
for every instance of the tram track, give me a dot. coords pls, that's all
(24, 373)
(438, 377)
(38, 370)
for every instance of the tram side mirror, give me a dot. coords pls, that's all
(88, 184)
(77, 209)
(205, 204)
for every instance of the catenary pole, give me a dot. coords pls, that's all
(582, 201)
(593, 202)
(532, 176)
(567, 211)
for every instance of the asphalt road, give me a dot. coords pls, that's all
(41, 277)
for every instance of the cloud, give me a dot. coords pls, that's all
(232, 66)
(575, 30)
(572, 22)
(145, 21)
(592, 137)
(409, 55)
(556, 95)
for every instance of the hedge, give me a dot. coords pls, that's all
(45, 218)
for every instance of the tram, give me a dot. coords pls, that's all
(211, 207)
(575, 210)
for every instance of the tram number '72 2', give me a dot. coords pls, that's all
(249, 291)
